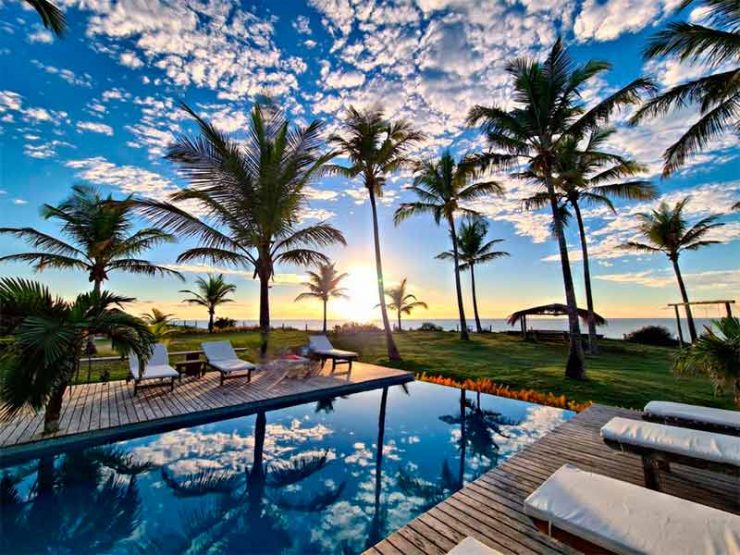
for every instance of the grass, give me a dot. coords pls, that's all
(623, 374)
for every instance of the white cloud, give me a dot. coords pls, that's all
(128, 179)
(95, 127)
(19, 201)
(40, 36)
(129, 59)
(728, 280)
(84, 80)
(603, 21)
(302, 25)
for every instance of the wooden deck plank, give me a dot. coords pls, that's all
(106, 411)
(491, 508)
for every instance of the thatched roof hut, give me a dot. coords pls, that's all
(555, 309)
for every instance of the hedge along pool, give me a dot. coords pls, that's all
(304, 479)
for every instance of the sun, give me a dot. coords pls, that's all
(362, 296)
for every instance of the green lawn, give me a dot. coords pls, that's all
(622, 374)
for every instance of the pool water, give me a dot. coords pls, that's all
(304, 479)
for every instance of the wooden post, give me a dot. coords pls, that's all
(678, 324)
(728, 309)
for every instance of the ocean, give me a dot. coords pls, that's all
(616, 328)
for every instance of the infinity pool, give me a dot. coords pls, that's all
(305, 479)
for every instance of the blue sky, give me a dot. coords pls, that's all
(99, 106)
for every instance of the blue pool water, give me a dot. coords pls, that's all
(305, 479)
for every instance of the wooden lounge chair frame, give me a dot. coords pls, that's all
(655, 460)
(225, 375)
(151, 381)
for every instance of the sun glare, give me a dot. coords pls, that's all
(361, 286)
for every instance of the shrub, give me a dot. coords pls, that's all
(658, 336)
(429, 326)
(351, 328)
(224, 322)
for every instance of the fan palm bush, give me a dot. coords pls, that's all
(714, 44)
(402, 301)
(375, 148)
(210, 293)
(474, 250)
(667, 231)
(443, 188)
(324, 285)
(587, 175)
(102, 239)
(49, 340)
(715, 354)
(252, 195)
(160, 323)
(549, 110)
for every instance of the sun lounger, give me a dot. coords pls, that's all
(659, 445)
(620, 517)
(222, 357)
(156, 368)
(322, 348)
(471, 546)
(693, 416)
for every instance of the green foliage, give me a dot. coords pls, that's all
(222, 322)
(102, 238)
(715, 354)
(323, 284)
(658, 336)
(429, 326)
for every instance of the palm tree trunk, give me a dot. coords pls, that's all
(463, 439)
(593, 347)
(264, 311)
(54, 409)
(256, 475)
(460, 307)
(325, 316)
(478, 327)
(210, 320)
(575, 367)
(685, 298)
(399, 321)
(393, 353)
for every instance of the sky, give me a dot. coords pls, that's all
(100, 106)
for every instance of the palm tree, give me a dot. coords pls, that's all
(375, 148)
(550, 110)
(585, 174)
(160, 324)
(443, 187)
(323, 285)
(101, 236)
(51, 16)
(667, 231)
(716, 355)
(253, 194)
(401, 301)
(210, 293)
(717, 94)
(473, 250)
(49, 339)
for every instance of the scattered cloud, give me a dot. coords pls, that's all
(94, 127)
(84, 80)
(727, 280)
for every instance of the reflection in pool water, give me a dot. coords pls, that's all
(305, 479)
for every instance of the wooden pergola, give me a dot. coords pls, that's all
(728, 310)
(554, 309)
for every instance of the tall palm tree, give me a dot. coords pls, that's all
(253, 195)
(715, 354)
(667, 231)
(210, 293)
(51, 16)
(588, 175)
(443, 187)
(714, 44)
(101, 235)
(41, 363)
(401, 301)
(550, 109)
(375, 148)
(324, 285)
(474, 249)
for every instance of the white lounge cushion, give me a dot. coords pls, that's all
(719, 417)
(708, 446)
(236, 365)
(158, 365)
(321, 345)
(626, 518)
(218, 350)
(471, 546)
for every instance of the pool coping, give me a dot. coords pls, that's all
(16, 454)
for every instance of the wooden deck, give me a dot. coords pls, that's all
(95, 413)
(490, 508)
